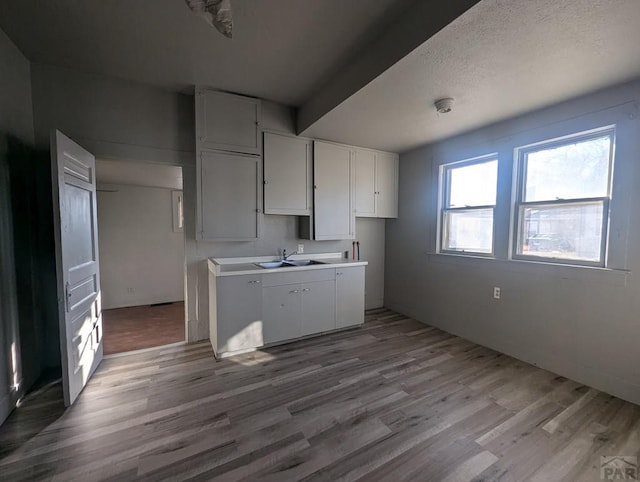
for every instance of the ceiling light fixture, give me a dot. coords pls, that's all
(444, 106)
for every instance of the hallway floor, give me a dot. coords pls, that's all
(139, 327)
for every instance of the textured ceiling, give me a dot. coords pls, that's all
(282, 50)
(499, 59)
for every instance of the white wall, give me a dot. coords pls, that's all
(579, 322)
(16, 122)
(141, 258)
(122, 120)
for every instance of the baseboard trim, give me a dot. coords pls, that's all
(599, 380)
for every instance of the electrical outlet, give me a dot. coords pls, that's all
(496, 293)
(129, 290)
(300, 248)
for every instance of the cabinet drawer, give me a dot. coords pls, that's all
(298, 277)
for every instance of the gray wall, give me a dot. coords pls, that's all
(579, 322)
(122, 120)
(141, 257)
(16, 126)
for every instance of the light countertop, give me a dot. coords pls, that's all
(240, 266)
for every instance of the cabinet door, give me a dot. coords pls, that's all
(228, 122)
(239, 312)
(349, 296)
(318, 307)
(230, 196)
(386, 185)
(364, 164)
(287, 175)
(281, 312)
(333, 203)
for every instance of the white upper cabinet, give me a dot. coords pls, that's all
(228, 122)
(228, 166)
(229, 196)
(365, 182)
(386, 185)
(376, 183)
(288, 175)
(333, 211)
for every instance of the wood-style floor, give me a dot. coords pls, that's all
(140, 327)
(394, 400)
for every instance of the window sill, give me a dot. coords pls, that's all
(598, 274)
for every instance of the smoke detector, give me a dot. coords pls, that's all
(444, 106)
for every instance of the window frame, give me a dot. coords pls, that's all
(444, 182)
(518, 205)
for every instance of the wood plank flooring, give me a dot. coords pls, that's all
(140, 327)
(394, 400)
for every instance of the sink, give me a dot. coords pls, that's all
(272, 264)
(290, 263)
(302, 262)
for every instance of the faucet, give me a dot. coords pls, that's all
(286, 256)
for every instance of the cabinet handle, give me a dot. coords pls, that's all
(294, 291)
(255, 281)
(306, 289)
(338, 274)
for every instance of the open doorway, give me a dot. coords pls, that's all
(141, 242)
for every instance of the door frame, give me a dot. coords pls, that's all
(186, 216)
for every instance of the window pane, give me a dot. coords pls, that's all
(473, 185)
(578, 170)
(568, 231)
(470, 230)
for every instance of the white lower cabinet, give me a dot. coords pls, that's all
(349, 296)
(318, 307)
(292, 311)
(250, 311)
(236, 319)
(281, 310)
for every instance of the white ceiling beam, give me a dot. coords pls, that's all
(415, 26)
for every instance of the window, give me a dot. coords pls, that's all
(562, 207)
(468, 201)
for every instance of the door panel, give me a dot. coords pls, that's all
(228, 122)
(349, 296)
(282, 311)
(231, 198)
(287, 175)
(318, 307)
(365, 183)
(239, 312)
(77, 263)
(387, 186)
(333, 212)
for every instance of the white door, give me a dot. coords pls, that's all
(230, 196)
(365, 183)
(282, 312)
(228, 122)
(287, 175)
(318, 307)
(386, 185)
(333, 214)
(77, 264)
(349, 296)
